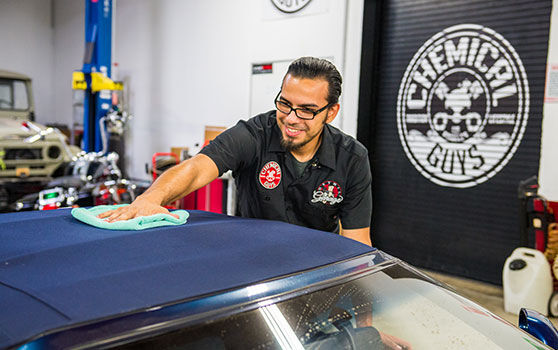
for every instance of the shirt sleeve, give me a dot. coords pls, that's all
(235, 147)
(356, 208)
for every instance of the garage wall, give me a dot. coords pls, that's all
(188, 64)
(49, 53)
(69, 18)
(27, 47)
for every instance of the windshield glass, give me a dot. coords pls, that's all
(389, 309)
(13, 95)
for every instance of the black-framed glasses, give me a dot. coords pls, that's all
(302, 113)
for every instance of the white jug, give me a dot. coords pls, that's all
(527, 281)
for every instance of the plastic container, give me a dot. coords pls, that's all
(527, 281)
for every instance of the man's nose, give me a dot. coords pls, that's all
(291, 117)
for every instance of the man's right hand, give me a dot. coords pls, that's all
(140, 207)
(173, 184)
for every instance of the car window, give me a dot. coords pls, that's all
(13, 95)
(21, 100)
(6, 101)
(391, 308)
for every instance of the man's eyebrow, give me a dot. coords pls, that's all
(306, 105)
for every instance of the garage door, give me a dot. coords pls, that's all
(453, 122)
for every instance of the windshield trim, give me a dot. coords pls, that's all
(127, 327)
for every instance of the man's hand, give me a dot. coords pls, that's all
(172, 185)
(140, 207)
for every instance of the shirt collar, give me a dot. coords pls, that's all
(326, 153)
(275, 140)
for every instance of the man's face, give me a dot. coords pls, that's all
(309, 94)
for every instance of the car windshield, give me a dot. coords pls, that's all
(13, 95)
(390, 309)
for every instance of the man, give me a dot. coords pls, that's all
(289, 164)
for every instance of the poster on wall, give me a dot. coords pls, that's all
(457, 123)
(551, 89)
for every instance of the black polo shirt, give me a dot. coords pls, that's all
(336, 183)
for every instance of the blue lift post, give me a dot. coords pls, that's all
(94, 77)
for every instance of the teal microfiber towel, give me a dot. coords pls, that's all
(89, 216)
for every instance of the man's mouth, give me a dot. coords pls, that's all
(291, 132)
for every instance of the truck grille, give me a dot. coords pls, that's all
(23, 153)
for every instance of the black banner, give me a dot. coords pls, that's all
(454, 124)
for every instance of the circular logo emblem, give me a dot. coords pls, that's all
(463, 106)
(290, 6)
(329, 192)
(270, 175)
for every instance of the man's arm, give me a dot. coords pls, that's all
(231, 150)
(173, 184)
(356, 208)
(358, 234)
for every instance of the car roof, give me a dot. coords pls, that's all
(13, 75)
(56, 272)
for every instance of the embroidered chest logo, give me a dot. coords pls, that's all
(270, 175)
(329, 192)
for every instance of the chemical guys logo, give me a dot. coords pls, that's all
(329, 192)
(290, 6)
(463, 106)
(270, 175)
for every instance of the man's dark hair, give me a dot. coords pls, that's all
(312, 68)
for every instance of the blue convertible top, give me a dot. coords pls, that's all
(56, 272)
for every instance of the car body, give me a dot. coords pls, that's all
(222, 282)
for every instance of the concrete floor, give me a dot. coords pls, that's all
(487, 295)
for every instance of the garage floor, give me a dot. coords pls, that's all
(484, 294)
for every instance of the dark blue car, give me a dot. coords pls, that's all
(221, 282)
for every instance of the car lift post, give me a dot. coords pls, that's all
(94, 77)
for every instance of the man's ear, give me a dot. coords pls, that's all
(332, 113)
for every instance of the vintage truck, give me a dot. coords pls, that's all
(30, 153)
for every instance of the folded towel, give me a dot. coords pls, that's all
(89, 216)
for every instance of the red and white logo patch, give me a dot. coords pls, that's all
(329, 192)
(270, 175)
